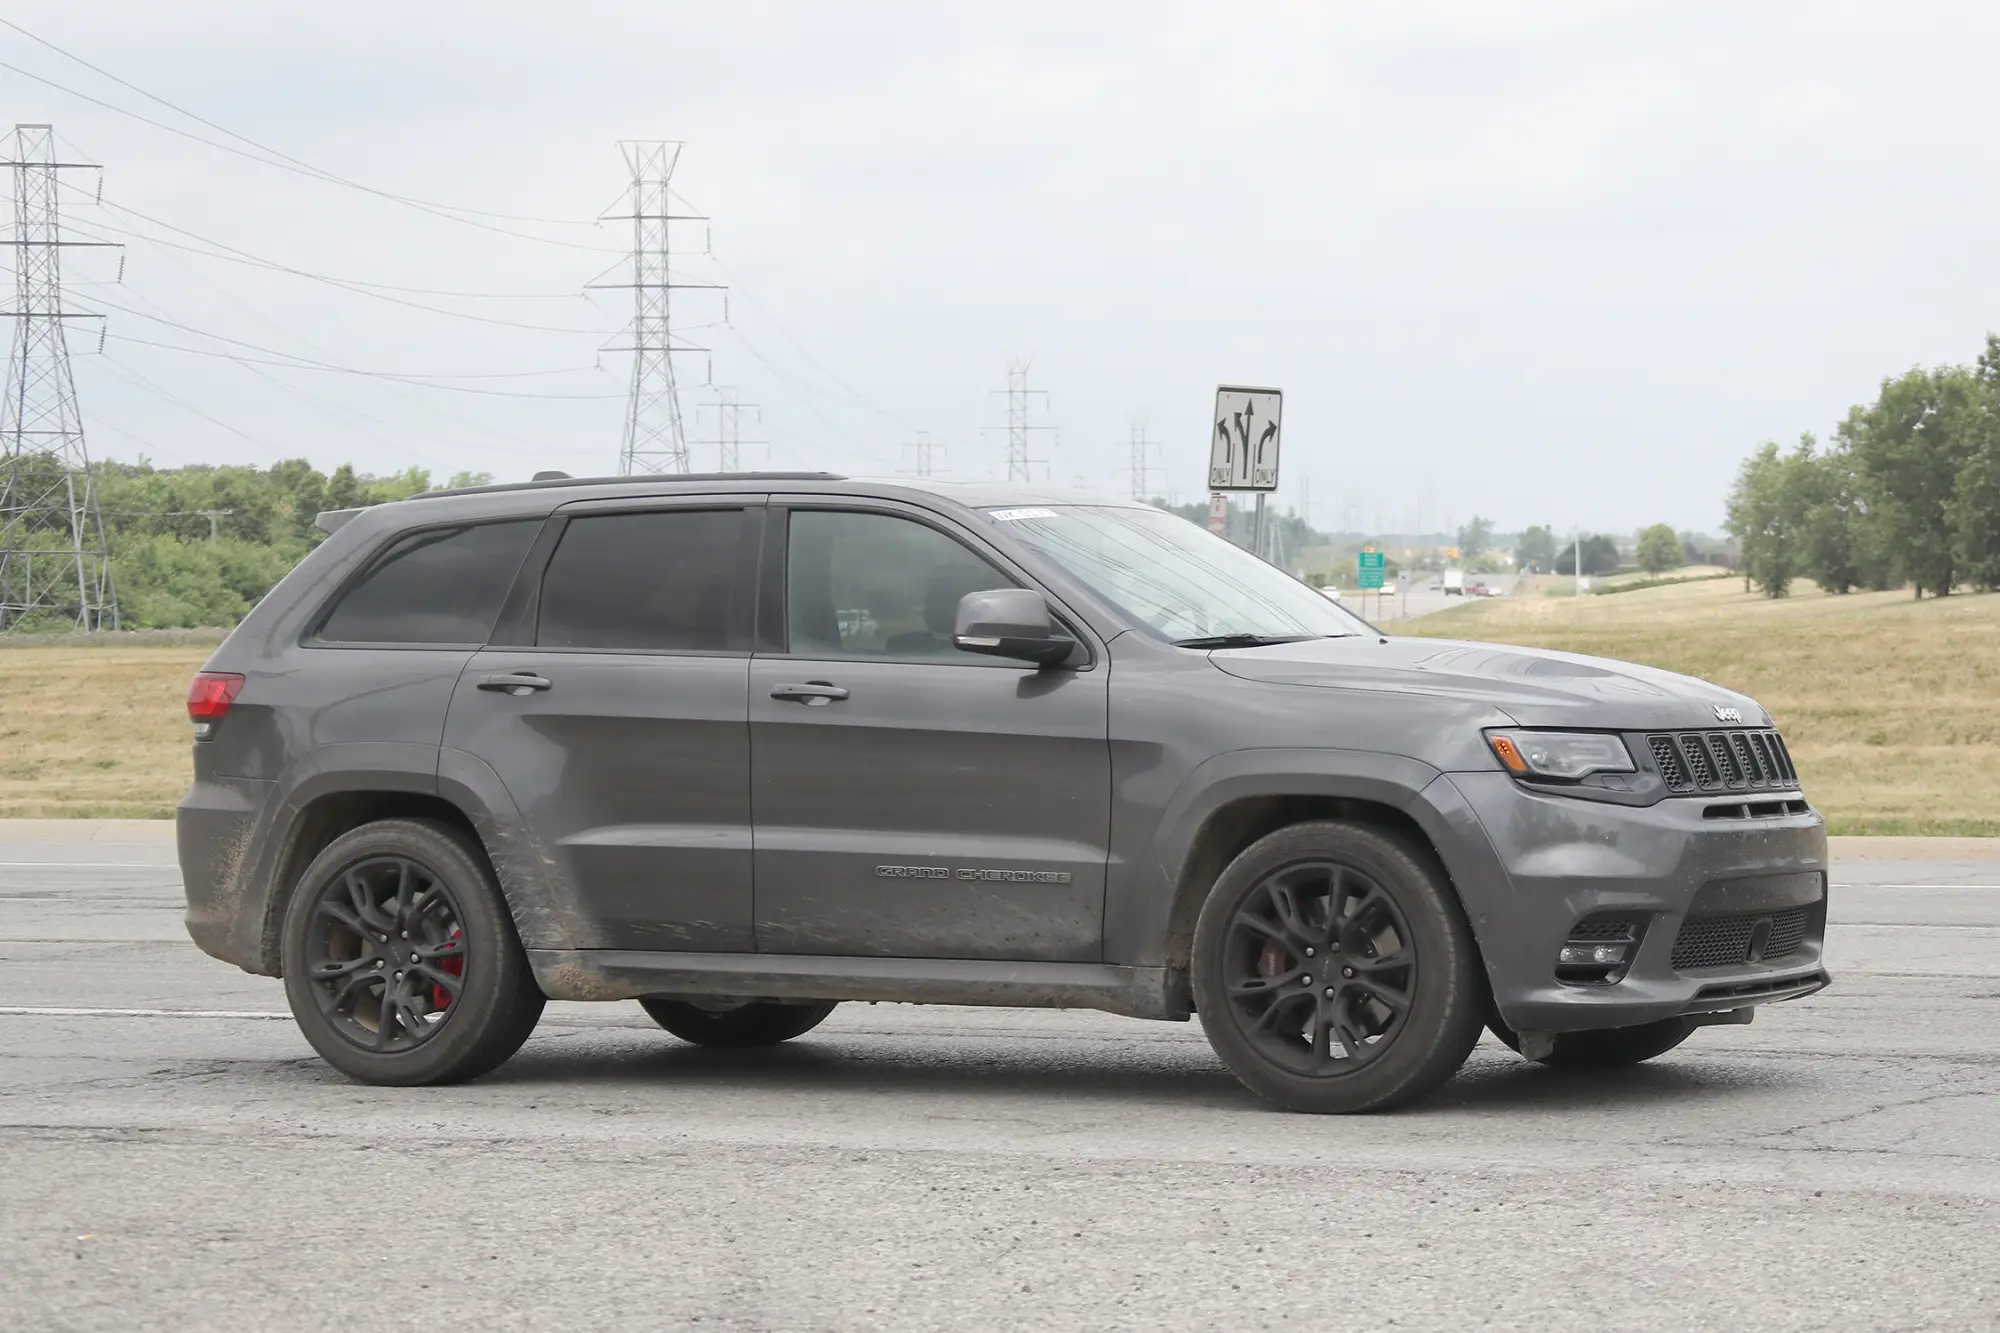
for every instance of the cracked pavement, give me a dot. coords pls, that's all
(188, 1163)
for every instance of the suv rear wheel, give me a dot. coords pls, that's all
(738, 1025)
(1334, 972)
(401, 961)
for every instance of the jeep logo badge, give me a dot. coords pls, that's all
(1727, 714)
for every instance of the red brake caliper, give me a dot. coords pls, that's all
(455, 965)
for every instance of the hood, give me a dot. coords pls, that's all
(1534, 686)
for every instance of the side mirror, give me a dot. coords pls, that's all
(1010, 622)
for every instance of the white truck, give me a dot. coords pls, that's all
(1454, 583)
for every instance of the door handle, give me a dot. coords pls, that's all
(813, 694)
(518, 684)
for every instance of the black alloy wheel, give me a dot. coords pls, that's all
(385, 953)
(1334, 971)
(1320, 968)
(401, 961)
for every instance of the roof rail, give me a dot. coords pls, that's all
(545, 479)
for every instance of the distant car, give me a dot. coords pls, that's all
(1437, 585)
(1332, 593)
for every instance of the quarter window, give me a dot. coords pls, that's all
(663, 581)
(874, 585)
(439, 586)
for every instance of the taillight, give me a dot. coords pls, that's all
(209, 697)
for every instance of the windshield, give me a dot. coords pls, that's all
(1182, 581)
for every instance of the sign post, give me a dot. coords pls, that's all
(1218, 514)
(1243, 447)
(1370, 576)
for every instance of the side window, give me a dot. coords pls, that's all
(873, 585)
(664, 581)
(444, 585)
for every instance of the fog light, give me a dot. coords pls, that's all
(1584, 955)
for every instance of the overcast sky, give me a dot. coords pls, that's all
(1548, 262)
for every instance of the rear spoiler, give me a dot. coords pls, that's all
(329, 520)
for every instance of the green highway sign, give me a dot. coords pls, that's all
(1371, 569)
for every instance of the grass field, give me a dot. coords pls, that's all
(95, 731)
(1890, 706)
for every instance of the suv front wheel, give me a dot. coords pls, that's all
(1334, 972)
(401, 961)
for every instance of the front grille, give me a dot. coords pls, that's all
(1754, 809)
(1710, 761)
(1724, 941)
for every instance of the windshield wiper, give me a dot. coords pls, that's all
(1239, 640)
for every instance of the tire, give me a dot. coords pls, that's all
(738, 1027)
(366, 1013)
(1380, 921)
(1607, 1048)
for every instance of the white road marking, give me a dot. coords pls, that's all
(43, 1011)
(1869, 884)
(88, 865)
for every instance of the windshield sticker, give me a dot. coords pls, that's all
(1008, 515)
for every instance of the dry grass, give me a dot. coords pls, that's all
(95, 732)
(1891, 706)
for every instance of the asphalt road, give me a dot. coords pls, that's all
(176, 1158)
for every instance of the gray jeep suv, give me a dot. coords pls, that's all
(740, 747)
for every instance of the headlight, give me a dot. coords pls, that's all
(1566, 755)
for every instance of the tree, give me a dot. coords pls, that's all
(1600, 555)
(1758, 517)
(1659, 549)
(1909, 449)
(1537, 550)
(1975, 506)
(1475, 537)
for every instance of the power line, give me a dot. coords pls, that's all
(288, 360)
(272, 157)
(231, 254)
(343, 284)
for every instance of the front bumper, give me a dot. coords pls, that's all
(1529, 866)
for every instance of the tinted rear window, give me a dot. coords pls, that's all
(443, 585)
(662, 581)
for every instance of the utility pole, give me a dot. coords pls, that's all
(211, 515)
(1141, 467)
(54, 562)
(655, 438)
(922, 447)
(1019, 464)
(729, 439)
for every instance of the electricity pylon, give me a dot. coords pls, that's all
(55, 567)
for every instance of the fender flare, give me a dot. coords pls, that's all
(1160, 911)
